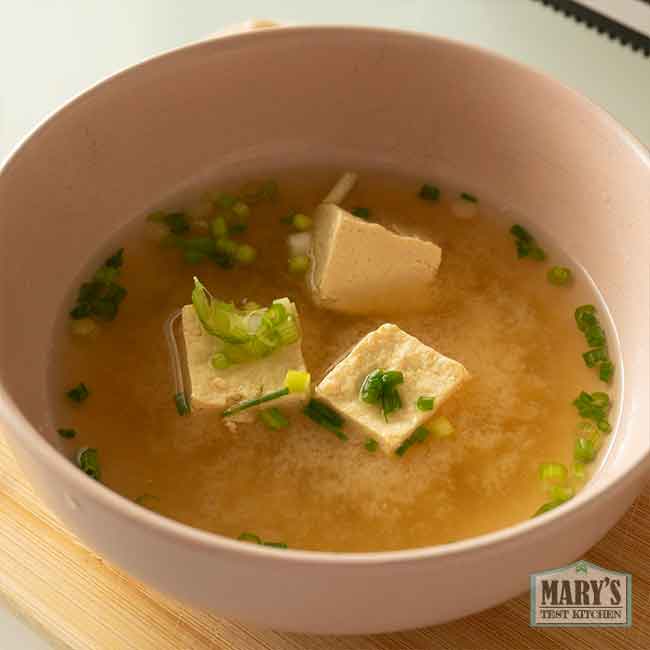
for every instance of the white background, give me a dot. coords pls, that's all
(52, 49)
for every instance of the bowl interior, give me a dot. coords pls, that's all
(413, 103)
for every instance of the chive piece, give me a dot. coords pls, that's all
(177, 223)
(301, 222)
(371, 445)
(273, 418)
(299, 264)
(79, 393)
(585, 316)
(594, 406)
(88, 462)
(579, 471)
(326, 417)
(245, 254)
(249, 403)
(559, 275)
(250, 537)
(595, 336)
(226, 246)
(362, 213)
(526, 244)
(561, 493)
(418, 436)
(182, 406)
(592, 357)
(297, 381)
(241, 210)
(468, 197)
(584, 451)
(218, 227)
(441, 427)
(116, 260)
(548, 506)
(425, 403)
(275, 544)
(553, 473)
(606, 371)
(106, 274)
(372, 387)
(391, 400)
(429, 192)
(67, 433)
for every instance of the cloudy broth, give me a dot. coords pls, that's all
(499, 316)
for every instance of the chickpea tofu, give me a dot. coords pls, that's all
(426, 373)
(363, 268)
(213, 388)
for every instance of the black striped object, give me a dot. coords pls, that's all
(603, 24)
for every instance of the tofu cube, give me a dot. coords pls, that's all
(363, 268)
(219, 389)
(426, 373)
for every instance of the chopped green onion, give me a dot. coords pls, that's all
(299, 264)
(392, 378)
(226, 246)
(372, 387)
(429, 192)
(275, 544)
(250, 537)
(418, 436)
(79, 393)
(425, 403)
(441, 427)
(219, 361)
(67, 433)
(245, 254)
(559, 275)
(585, 450)
(592, 357)
(241, 210)
(579, 470)
(526, 244)
(102, 296)
(550, 505)
(468, 197)
(553, 473)
(371, 445)
(88, 462)
(585, 316)
(182, 407)
(219, 228)
(606, 371)
(362, 213)
(177, 223)
(256, 401)
(297, 381)
(301, 222)
(594, 406)
(326, 417)
(273, 418)
(561, 493)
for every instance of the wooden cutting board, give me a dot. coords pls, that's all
(76, 600)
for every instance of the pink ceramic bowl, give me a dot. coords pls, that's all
(419, 103)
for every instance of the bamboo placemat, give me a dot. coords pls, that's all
(76, 600)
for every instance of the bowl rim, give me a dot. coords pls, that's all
(176, 531)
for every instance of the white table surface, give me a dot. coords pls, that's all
(52, 49)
